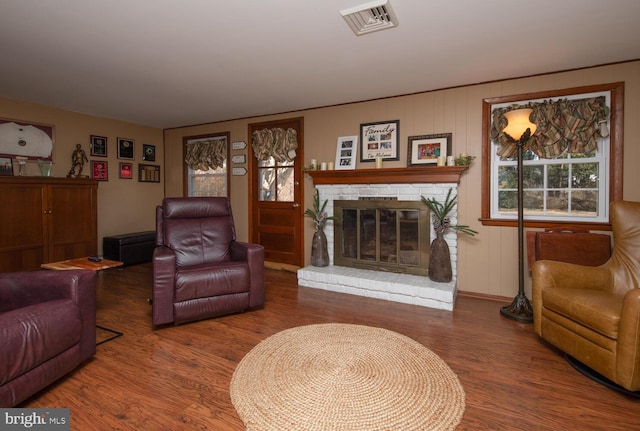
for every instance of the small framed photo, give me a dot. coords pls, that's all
(126, 170)
(98, 146)
(99, 170)
(425, 149)
(379, 140)
(346, 152)
(149, 152)
(6, 166)
(125, 148)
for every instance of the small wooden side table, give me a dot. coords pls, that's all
(81, 263)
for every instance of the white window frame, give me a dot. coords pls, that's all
(614, 168)
(601, 158)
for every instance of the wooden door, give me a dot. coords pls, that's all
(275, 197)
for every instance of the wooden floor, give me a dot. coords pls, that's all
(177, 378)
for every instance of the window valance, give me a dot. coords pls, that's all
(278, 143)
(205, 155)
(563, 127)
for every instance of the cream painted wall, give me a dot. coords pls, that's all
(124, 205)
(488, 262)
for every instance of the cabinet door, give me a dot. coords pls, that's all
(72, 228)
(22, 244)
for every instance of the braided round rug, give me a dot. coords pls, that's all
(345, 377)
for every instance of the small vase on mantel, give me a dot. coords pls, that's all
(319, 252)
(439, 255)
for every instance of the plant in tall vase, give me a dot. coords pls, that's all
(439, 255)
(319, 252)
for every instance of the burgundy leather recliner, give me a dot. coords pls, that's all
(199, 269)
(47, 328)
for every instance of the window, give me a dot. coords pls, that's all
(572, 188)
(206, 165)
(276, 180)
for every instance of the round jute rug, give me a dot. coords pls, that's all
(345, 377)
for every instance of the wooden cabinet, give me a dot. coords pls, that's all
(45, 220)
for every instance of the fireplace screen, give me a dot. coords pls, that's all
(383, 235)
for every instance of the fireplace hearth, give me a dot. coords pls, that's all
(378, 281)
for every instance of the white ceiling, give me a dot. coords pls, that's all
(169, 63)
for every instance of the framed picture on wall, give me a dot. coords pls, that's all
(425, 149)
(125, 148)
(149, 153)
(346, 152)
(126, 170)
(99, 170)
(148, 173)
(33, 141)
(6, 166)
(379, 140)
(98, 146)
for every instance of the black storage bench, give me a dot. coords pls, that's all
(130, 248)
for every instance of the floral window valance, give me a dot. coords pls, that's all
(278, 143)
(205, 155)
(563, 127)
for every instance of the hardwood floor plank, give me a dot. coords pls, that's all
(177, 377)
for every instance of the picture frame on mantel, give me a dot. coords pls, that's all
(379, 140)
(425, 149)
(346, 152)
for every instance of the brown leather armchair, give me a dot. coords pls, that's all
(199, 269)
(593, 313)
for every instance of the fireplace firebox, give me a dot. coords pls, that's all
(383, 235)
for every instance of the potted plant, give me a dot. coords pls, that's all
(439, 255)
(319, 252)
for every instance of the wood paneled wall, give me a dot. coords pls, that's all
(487, 262)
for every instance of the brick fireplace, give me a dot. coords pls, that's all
(405, 184)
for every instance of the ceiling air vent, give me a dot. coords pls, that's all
(369, 17)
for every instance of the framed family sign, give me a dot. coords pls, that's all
(379, 140)
(425, 149)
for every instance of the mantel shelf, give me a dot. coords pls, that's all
(409, 175)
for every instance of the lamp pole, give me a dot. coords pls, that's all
(520, 308)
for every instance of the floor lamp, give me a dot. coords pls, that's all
(519, 129)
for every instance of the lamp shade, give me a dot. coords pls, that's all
(518, 123)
